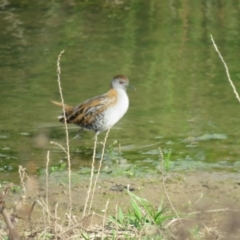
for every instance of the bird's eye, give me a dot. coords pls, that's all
(121, 82)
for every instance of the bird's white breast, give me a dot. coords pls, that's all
(116, 112)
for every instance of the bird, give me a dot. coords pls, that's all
(101, 112)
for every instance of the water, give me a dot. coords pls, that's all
(183, 103)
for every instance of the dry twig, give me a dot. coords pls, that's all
(66, 131)
(47, 180)
(164, 187)
(99, 168)
(226, 68)
(91, 177)
(13, 235)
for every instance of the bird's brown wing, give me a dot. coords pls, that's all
(86, 113)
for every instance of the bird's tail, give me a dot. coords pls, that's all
(67, 110)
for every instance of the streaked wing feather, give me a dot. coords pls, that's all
(86, 112)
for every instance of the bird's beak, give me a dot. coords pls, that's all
(131, 87)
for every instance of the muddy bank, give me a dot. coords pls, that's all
(209, 201)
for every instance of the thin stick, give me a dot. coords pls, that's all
(66, 132)
(59, 145)
(104, 219)
(116, 216)
(22, 175)
(47, 179)
(99, 168)
(55, 222)
(13, 234)
(91, 177)
(44, 207)
(44, 222)
(164, 187)
(226, 68)
(215, 210)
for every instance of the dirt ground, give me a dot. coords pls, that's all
(208, 201)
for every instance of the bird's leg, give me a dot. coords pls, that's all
(78, 133)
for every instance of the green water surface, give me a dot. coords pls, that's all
(183, 103)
